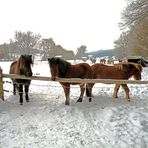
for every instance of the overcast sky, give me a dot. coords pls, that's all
(71, 23)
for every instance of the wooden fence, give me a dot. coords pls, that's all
(71, 80)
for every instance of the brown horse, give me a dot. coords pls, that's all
(121, 71)
(22, 67)
(63, 69)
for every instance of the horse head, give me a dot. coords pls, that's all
(53, 68)
(25, 62)
(133, 69)
(138, 70)
(58, 67)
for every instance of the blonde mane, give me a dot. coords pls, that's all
(119, 66)
(125, 65)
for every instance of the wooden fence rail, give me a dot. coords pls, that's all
(67, 80)
(76, 80)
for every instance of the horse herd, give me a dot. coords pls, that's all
(64, 69)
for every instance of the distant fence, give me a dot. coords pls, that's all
(67, 80)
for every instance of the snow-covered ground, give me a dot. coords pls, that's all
(46, 122)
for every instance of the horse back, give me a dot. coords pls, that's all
(81, 70)
(102, 71)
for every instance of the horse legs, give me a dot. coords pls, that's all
(14, 89)
(89, 87)
(66, 91)
(21, 93)
(26, 92)
(116, 89)
(126, 89)
(82, 89)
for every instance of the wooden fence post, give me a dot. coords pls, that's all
(1, 85)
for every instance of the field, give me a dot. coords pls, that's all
(46, 122)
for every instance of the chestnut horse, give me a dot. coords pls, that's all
(121, 71)
(63, 69)
(22, 67)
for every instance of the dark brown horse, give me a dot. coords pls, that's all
(121, 71)
(63, 69)
(103, 61)
(22, 67)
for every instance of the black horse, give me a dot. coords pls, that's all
(22, 67)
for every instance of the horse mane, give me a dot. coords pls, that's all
(19, 64)
(22, 62)
(138, 66)
(119, 66)
(125, 66)
(62, 65)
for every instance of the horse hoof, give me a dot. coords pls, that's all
(21, 103)
(66, 103)
(90, 99)
(79, 100)
(27, 101)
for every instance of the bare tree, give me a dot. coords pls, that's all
(26, 40)
(140, 34)
(47, 44)
(137, 10)
(81, 52)
(122, 45)
(135, 23)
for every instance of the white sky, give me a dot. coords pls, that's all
(71, 23)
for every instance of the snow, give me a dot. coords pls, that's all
(46, 121)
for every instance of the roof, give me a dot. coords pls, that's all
(134, 57)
